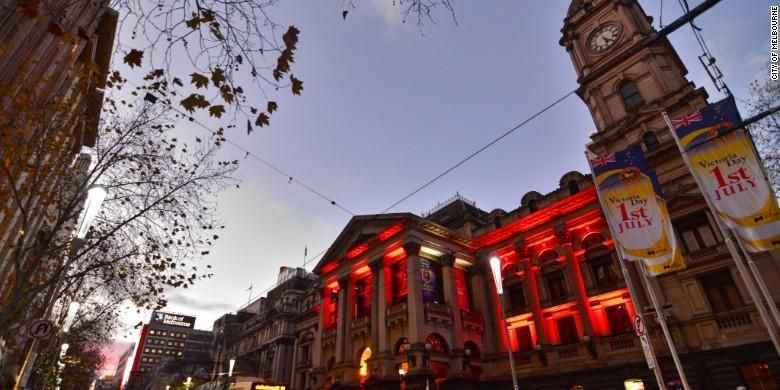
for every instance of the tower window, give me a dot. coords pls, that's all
(650, 140)
(574, 187)
(630, 94)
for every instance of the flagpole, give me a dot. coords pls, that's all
(630, 284)
(662, 321)
(770, 301)
(729, 243)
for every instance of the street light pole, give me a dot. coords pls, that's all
(96, 194)
(495, 266)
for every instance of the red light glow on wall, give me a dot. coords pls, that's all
(356, 251)
(540, 217)
(390, 231)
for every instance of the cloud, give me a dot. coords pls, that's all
(180, 299)
(388, 11)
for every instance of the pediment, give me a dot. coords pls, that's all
(360, 230)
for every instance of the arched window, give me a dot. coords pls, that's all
(630, 94)
(473, 350)
(509, 269)
(331, 363)
(592, 240)
(547, 256)
(574, 187)
(437, 342)
(363, 356)
(401, 345)
(650, 140)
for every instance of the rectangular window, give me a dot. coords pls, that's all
(556, 285)
(398, 280)
(362, 298)
(462, 289)
(758, 376)
(567, 330)
(721, 291)
(524, 340)
(603, 275)
(696, 232)
(619, 320)
(517, 301)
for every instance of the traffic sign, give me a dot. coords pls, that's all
(40, 329)
(639, 325)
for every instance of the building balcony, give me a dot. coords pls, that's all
(396, 314)
(472, 321)
(438, 313)
(733, 319)
(361, 326)
(708, 254)
(329, 337)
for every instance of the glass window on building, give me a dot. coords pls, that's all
(463, 289)
(758, 376)
(721, 291)
(603, 273)
(630, 94)
(517, 302)
(362, 298)
(524, 340)
(619, 320)
(556, 285)
(567, 330)
(398, 280)
(696, 232)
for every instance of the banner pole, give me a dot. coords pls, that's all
(631, 291)
(662, 321)
(749, 283)
(770, 301)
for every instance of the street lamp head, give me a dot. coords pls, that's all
(73, 308)
(95, 197)
(495, 268)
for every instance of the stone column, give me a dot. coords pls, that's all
(532, 292)
(451, 298)
(483, 298)
(377, 307)
(316, 346)
(342, 326)
(414, 299)
(575, 275)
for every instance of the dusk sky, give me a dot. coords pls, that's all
(386, 108)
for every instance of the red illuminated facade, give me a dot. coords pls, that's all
(415, 294)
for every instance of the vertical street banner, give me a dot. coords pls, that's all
(636, 210)
(727, 166)
(428, 279)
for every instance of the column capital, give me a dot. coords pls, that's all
(523, 252)
(376, 264)
(412, 248)
(477, 269)
(562, 234)
(447, 260)
(344, 280)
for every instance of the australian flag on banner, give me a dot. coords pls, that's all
(635, 209)
(730, 173)
(718, 118)
(621, 160)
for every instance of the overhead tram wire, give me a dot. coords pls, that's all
(248, 153)
(687, 17)
(480, 150)
(290, 178)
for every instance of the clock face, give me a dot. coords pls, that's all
(604, 37)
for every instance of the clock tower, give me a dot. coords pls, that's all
(627, 75)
